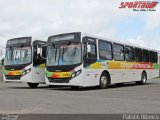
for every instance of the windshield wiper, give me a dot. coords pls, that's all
(56, 54)
(63, 51)
(69, 43)
(11, 52)
(53, 45)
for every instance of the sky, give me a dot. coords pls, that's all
(43, 18)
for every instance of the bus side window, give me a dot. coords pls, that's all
(153, 56)
(145, 56)
(118, 52)
(129, 53)
(105, 50)
(89, 54)
(138, 54)
(37, 59)
(91, 51)
(84, 50)
(44, 49)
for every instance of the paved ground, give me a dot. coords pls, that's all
(131, 98)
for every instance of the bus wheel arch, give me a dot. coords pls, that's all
(104, 80)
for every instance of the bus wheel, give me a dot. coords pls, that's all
(143, 79)
(103, 81)
(32, 85)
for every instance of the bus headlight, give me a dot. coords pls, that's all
(76, 73)
(23, 73)
(26, 72)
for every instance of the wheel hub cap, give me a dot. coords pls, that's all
(104, 80)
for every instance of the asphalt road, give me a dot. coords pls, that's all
(18, 98)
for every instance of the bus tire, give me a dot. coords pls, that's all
(143, 79)
(32, 85)
(103, 82)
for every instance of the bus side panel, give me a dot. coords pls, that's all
(91, 77)
(38, 75)
(129, 75)
(28, 76)
(124, 75)
(152, 73)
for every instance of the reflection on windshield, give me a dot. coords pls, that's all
(64, 55)
(17, 55)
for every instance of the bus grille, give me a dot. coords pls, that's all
(15, 77)
(61, 80)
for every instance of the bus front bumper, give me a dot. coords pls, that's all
(76, 81)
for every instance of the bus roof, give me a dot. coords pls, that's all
(127, 43)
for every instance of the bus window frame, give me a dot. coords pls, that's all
(135, 54)
(116, 51)
(132, 51)
(109, 51)
(96, 55)
(143, 55)
(155, 57)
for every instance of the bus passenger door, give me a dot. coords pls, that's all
(39, 61)
(89, 59)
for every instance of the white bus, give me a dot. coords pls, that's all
(23, 61)
(76, 59)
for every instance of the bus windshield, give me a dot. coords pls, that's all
(64, 54)
(17, 55)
